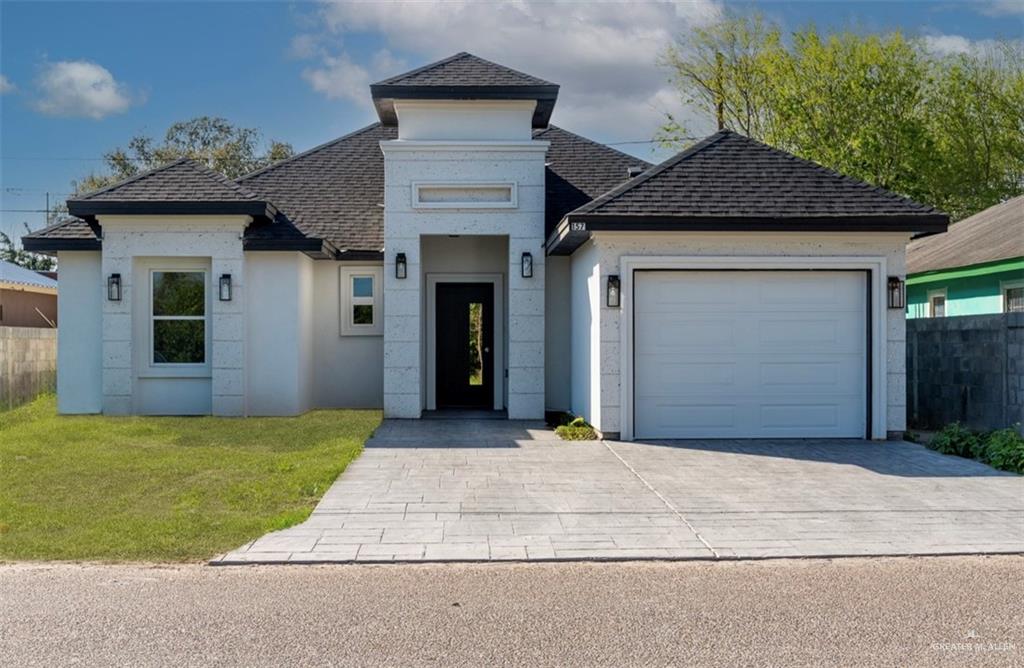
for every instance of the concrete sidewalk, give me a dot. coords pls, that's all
(493, 490)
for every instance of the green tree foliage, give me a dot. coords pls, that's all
(214, 142)
(34, 261)
(943, 129)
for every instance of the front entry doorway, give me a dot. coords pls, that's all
(464, 343)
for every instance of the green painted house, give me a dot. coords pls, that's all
(975, 268)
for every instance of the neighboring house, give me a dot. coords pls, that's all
(975, 268)
(463, 253)
(27, 298)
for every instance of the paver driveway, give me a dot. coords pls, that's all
(436, 490)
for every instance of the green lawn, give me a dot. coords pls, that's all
(162, 489)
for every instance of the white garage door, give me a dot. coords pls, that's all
(750, 354)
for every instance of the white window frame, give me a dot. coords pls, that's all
(205, 318)
(418, 203)
(939, 292)
(1004, 287)
(348, 301)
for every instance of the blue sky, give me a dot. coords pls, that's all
(80, 78)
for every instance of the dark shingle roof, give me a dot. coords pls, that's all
(180, 187)
(731, 182)
(578, 170)
(183, 179)
(67, 234)
(728, 174)
(997, 233)
(463, 69)
(464, 77)
(335, 192)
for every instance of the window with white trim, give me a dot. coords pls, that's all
(937, 303)
(178, 317)
(464, 196)
(1013, 297)
(362, 291)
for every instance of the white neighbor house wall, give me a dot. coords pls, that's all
(80, 293)
(436, 157)
(218, 238)
(597, 380)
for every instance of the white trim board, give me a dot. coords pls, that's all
(875, 265)
(430, 360)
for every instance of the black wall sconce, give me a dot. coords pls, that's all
(614, 291)
(401, 268)
(527, 265)
(225, 287)
(114, 287)
(897, 290)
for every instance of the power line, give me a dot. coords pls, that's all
(23, 157)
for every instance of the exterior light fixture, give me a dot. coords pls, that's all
(527, 265)
(225, 287)
(114, 287)
(401, 269)
(897, 292)
(614, 291)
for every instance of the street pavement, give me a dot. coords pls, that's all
(924, 611)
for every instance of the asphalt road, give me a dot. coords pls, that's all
(922, 611)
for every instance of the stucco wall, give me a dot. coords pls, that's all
(348, 371)
(406, 162)
(558, 335)
(218, 238)
(279, 333)
(81, 291)
(609, 247)
(972, 295)
(585, 356)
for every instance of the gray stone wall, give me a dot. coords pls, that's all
(28, 364)
(968, 369)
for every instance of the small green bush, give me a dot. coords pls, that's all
(576, 430)
(1004, 449)
(955, 439)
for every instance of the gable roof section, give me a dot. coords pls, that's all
(181, 187)
(464, 77)
(65, 235)
(995, 234)
(728, 182)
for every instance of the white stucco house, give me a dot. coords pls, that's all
(464, 254)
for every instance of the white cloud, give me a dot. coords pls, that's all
(1002, 7)
(948, 44)
(5, 85)
(338, 77)
(80, 88)
(603, 54)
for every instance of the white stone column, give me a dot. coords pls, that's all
(403, 378)
(525, 330)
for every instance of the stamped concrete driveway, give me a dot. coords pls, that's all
(474, 490)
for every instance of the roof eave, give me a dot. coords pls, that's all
(87, 208)
(384, 96)
(53, 245)
(576, 228)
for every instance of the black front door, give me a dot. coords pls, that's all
(465, 345)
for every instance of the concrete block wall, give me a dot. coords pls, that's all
(215, 237)
(602, 256)
(28, 364)
(408, 162)
(967, 369)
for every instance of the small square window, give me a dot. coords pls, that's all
(362, 286)
(361, 301)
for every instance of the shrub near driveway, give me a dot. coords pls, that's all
(1003, 449)
(162, 489)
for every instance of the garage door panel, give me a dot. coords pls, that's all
(759, 367)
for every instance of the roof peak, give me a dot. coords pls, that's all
(472, 69)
